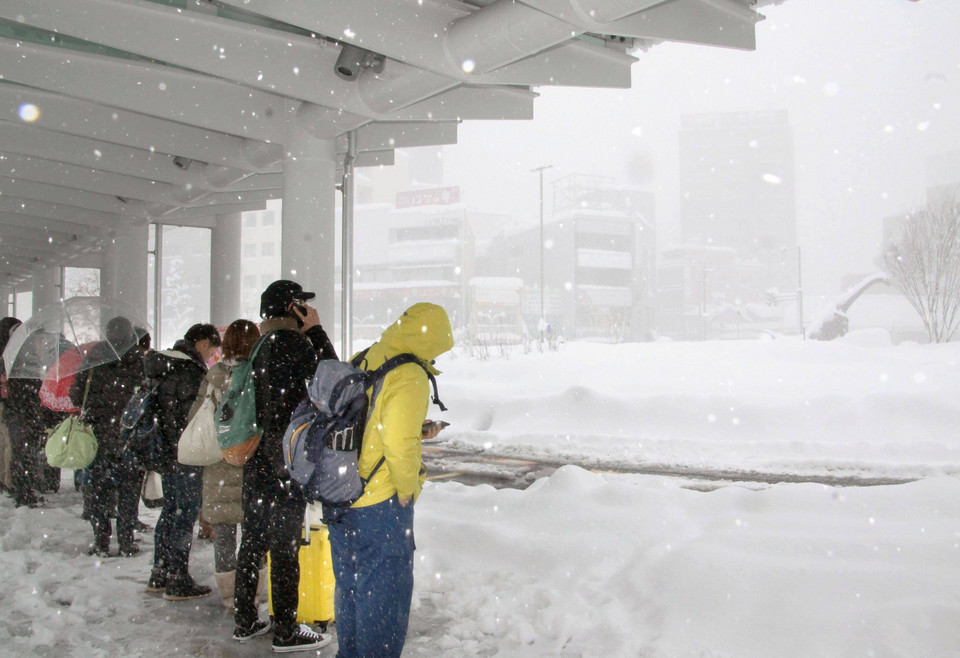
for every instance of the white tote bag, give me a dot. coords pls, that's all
(198, 444)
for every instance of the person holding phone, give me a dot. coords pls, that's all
(273, 504)
(372, 541)
(431, 429)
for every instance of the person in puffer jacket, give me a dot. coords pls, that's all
(111, 478)
(179, 372)
(373, 540)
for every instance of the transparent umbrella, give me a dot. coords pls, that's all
(55, 389)
(38, 344)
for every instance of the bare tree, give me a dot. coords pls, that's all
(924, 263)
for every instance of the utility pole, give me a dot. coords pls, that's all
(542, 324)
(803, 329)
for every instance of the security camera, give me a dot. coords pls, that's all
(352, 60)
(181, 162)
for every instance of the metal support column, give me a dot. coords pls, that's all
(346, 260)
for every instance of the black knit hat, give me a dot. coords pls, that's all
(278, 295)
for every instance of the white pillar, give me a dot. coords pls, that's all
(47, 285)
(308, 249)
(225, 269)
(123, 275)
(6, 305)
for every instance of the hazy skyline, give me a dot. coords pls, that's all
(872, 88)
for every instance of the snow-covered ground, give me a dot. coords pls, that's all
(596, 564)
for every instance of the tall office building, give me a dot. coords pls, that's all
(739, 248)
(737, 181)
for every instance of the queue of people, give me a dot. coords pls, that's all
(372, 542)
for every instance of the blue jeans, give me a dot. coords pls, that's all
(173, 536)
(373, 564)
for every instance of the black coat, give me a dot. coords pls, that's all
(27, 419)
(282, 370)
(111, 385)
(180, 372)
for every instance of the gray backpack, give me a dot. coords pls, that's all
(321, 445)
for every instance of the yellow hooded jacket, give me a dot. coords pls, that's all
(394, 426)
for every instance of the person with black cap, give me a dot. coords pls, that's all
(111, 478)
(273, 505)
(178, 373)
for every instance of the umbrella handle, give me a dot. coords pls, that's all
(86, 391)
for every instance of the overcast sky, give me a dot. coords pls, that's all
(872, 88)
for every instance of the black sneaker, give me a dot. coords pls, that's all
(242, 634)
(140, 526)
(158, 581)
(302, 639)
(184, 588)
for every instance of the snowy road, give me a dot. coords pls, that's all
(477, 466)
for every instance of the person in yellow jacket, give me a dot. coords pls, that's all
(372, 542)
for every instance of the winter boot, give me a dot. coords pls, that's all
(158, 580)
(28, 499)
(182, 587)
(128, 545)
(226, 583)
(101, 544)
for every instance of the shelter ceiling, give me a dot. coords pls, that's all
(115, 112)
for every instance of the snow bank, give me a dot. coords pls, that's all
(856, 405)
(583, 564)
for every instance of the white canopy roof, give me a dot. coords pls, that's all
(173, 111)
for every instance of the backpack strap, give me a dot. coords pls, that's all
(376, 380)
(262, 389)
(359, 357)
(373, 472)
(399, 360)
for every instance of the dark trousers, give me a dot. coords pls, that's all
(173, 537)
(113, 482)
(273, 511)
(25, 471)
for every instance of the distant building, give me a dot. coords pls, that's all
(598, 255)
(260, 252)
(421, 252)
(943, 174)
(738, 257)
(737, 186)
(419, 241)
